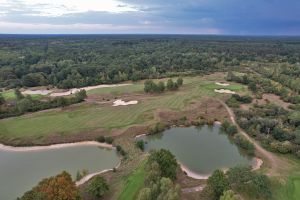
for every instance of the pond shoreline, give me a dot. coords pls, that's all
(54, 146)
(256, 166)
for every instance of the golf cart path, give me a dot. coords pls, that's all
(275, 162)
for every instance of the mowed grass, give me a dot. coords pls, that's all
(133, 184)
(136, 87)
(89, 117)
(289, 190)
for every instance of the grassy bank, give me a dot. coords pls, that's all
(133, 183)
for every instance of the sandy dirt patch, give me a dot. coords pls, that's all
(54, 146)
(40, 92)
(120, 102)
(193, 174)
(257, 163)
(224, 91)
(89, 176)
(222, 84)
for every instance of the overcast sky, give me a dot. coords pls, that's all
(232, 17)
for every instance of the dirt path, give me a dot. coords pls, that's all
(193, 189)
(274, 161)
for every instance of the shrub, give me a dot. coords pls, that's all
(179, 81)
(101, 139)
(109, 140)
(140, 144)
(97, 187)
(229, 128)
(157, 128)
(243, 179)
(242, 142)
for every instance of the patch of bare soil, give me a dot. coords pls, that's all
(275, 99)
(206, 111)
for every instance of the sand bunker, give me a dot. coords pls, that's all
(120, 102)
(71, 91)
(222, 84)
(224, 91)
(74, 90)
(40, 92)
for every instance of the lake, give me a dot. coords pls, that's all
(199, 149)
(20, 171)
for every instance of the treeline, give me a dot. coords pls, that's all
(236, 180)
(151, 87)
(78, 61)
(24, 104)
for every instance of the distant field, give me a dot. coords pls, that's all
(88, 117)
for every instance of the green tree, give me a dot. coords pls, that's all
(229, 195)
(218, 182)
(168, 191)
(2, 100)
(145, 194)
(161, 86)
(170, 84)
(252, 87)
(81, 95)
(18, 94)
(179, 81)
(166, 161)
(243, 179)
(97, 187)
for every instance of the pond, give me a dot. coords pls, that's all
(200, 150)
(20, 171)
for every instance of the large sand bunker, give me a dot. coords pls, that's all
(224, 91)
(120, 102)
(71, 91)
(222, 84)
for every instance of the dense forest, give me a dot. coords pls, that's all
(68, 61)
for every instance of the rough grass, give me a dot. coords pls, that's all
(133, 183)
(9, 95)
(89, 117)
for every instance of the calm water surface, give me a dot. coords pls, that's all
(20, 171)
(201, 149)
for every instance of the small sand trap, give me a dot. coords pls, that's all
(224, 91)
(120, 102)
(40, 92)
(222, 84)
